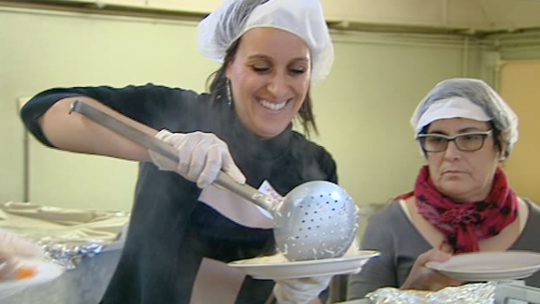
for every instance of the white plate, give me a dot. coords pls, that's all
(489, 266)
(45, 271)
(259, 269)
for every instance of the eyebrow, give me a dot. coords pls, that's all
(463, 130)
(264, 57)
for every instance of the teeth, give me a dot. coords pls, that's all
(272, 106)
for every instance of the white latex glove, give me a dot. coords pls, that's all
(202, 156)
(12, 245)
(300, 291)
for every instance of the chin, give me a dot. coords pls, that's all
(455, 193)
(451, 185)
(269, 133)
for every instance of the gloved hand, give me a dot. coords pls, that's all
(300, 291)
(304, 290)
(202, 156)
(12, 245)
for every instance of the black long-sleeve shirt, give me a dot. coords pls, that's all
(170, 231)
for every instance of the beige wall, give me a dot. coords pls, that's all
(362, 109)
(520, 87)
(365, 106)
(41, 50)
(461, 15)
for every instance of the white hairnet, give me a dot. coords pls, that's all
(480, 94)
(233, 18)
(451, 107)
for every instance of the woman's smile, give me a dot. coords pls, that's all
(274, 106)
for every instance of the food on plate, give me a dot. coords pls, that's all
(25, 272)
(13, 270)
(271, 259)
(280, 258)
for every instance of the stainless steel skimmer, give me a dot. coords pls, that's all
(315, 220)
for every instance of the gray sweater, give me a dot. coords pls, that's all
(390, 232)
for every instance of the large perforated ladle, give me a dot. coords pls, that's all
(315, 220)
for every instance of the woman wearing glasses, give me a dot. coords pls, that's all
(461, 202)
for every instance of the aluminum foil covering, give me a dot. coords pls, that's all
(477, 293)
(68, 254)
(67, 235)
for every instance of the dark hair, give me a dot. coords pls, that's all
(217, 85)
(497, 138)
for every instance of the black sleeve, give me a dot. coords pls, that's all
(329, 165)
(316, 162)
(155, 106)
(326, 162)
(38, 105)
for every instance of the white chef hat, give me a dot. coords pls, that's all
(304, 18)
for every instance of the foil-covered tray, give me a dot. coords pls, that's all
(67, 235)
(477, 293)
(68, 254)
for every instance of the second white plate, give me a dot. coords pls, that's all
(264, 269)
(45, 271)
(489, 266)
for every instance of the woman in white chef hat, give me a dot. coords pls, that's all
(183, 232)
(461, 202)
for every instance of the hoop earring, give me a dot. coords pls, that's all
(229, 95)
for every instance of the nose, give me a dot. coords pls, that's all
(277, 85)
(452, 151)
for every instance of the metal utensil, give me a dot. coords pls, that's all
(315, 220)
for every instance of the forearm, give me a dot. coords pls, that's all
(74, 132)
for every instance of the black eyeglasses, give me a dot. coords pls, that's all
(467, 142)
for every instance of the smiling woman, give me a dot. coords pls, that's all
(178, 242)
(461, 202)
(269, 77)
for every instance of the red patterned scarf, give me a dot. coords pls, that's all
(464, 224)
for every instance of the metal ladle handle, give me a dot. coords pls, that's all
(134, 133)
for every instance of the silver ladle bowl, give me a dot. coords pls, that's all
(315, 220)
